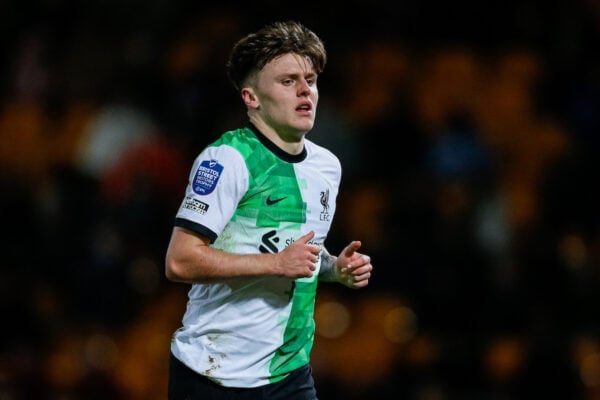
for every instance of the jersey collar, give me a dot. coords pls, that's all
(291, 158)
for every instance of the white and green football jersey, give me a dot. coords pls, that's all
(250, 197)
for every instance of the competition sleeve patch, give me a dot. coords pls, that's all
(207, 176)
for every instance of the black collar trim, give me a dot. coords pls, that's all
(285, 156)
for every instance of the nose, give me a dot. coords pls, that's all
(303, 88)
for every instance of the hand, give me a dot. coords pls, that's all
(353, 269)
(299, 259)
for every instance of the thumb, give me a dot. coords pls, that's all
(351, 248)
(306, 238)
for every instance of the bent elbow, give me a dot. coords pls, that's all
(172, 270)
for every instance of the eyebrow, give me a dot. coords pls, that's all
(311, 74)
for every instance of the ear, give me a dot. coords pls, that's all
(249, 98)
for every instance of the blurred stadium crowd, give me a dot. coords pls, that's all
(469, 134)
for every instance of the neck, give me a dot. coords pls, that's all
(290, 142)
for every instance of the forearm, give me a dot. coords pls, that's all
(216, 265)
(190, 259)
(328, 271)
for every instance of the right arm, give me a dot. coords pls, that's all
(191, 259)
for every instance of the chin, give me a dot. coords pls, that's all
(305, 126)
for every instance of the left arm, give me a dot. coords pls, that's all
(350, 268)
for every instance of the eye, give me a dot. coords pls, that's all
(288, 82)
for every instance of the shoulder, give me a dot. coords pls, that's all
(323, 154)
(226, 154)
(231, 146)
(322, 162)
(241, 139)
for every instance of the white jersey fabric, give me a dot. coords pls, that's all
(250, 197)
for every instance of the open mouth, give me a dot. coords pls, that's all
(304, 107)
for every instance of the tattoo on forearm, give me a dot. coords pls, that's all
(327, 272)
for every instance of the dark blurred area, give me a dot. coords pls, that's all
(469, 135)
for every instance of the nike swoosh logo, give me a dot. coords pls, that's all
(271, 201)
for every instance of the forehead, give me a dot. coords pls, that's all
(290, 63)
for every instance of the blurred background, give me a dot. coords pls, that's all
(469, 134)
